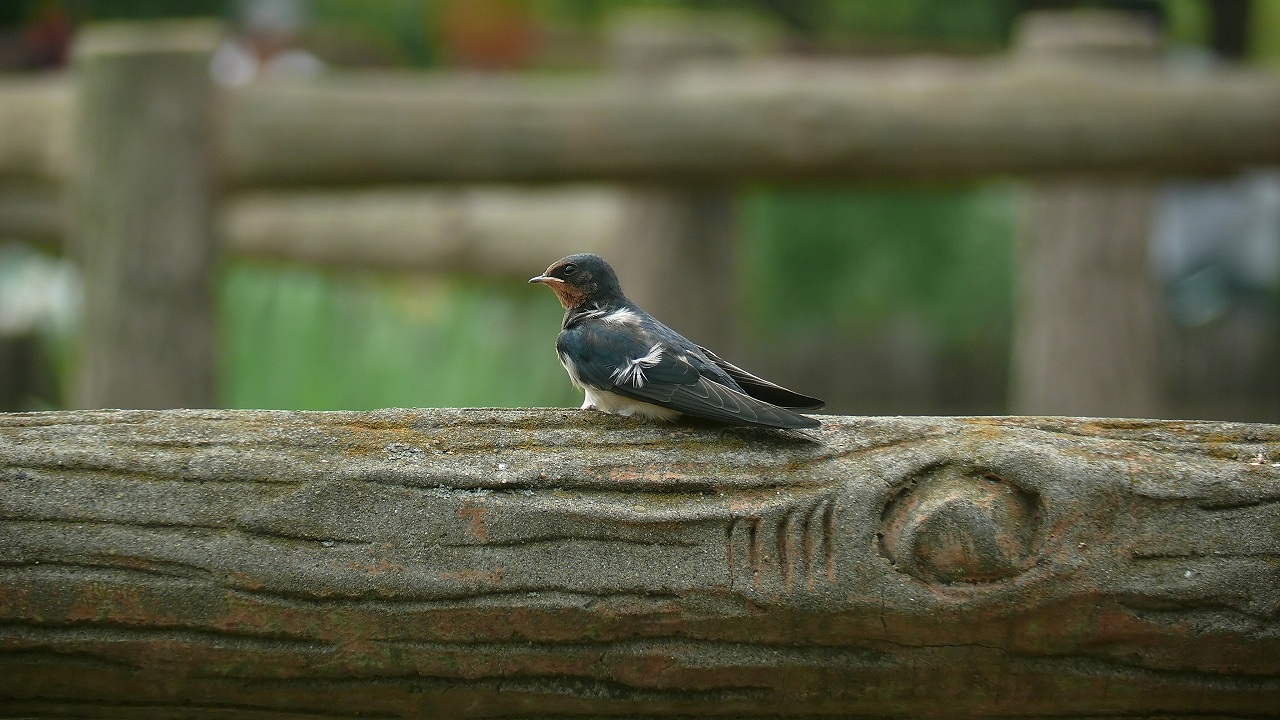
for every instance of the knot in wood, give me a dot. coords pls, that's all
(952, 525)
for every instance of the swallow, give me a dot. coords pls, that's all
(628, 363)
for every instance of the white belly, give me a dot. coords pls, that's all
(605, 401)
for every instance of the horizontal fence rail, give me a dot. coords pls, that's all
(509, 232)
(492, 231)
(35, 127)
(774, 120)
(506, 232)
(771, 122)
(473, 563)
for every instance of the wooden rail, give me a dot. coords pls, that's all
(765, 120)
(772, 122)
(495, 231)
(478, 563)
(499, 231)
(35, 127)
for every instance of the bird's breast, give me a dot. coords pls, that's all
(616, 404)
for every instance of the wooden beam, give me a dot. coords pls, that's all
(35, 127)
(477, 563)
(498, 231)
(769, 120)
(1088, 316)
(488, 231)
(143, 204)
(33, 212)
(676, 259)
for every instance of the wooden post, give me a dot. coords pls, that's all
(143, 198)
(676, 256)
(551, 563)
(1087, 309)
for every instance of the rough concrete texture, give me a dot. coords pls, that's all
(477, 563)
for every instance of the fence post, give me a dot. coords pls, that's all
(677, 249)
(143, 200)
(1086, 312)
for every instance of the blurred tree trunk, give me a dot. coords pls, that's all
(1084, 338)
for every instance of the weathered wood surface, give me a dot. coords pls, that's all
(767, 119)
(473, 563)
(143, 202)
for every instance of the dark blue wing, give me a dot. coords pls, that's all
(761, 389)
(638, 363)
(713, 367)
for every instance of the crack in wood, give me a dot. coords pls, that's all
(232, 526)
(111, 632)
(534, 540)
(67, 707)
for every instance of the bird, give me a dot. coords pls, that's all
(628, 363)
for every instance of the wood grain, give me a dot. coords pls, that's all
(479, 563)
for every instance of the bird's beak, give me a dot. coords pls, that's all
(544, 279)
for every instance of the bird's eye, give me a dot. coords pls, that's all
(569, 269)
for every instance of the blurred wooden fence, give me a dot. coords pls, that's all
(152, 155)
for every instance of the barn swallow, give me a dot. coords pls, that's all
(628, 363)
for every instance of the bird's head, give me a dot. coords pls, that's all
(580, 280)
